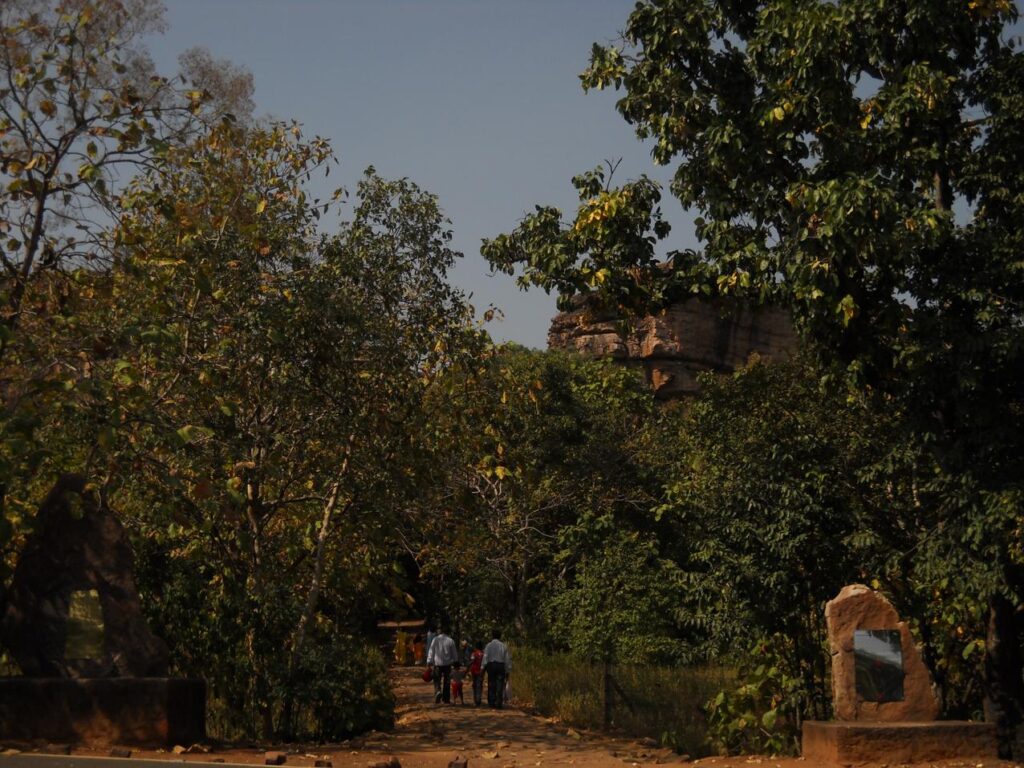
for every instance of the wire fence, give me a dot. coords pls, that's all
(662, 703)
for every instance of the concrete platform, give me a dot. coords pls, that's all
(103, 711)
(852, 743)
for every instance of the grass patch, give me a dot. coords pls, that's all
(667, 702)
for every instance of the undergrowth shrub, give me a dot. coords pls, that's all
(759, 714)
(342, 689)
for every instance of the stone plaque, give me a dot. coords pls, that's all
(876, 678)
(85, 626)
(879, 663)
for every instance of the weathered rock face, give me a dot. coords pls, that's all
(858, 607)
(73, 609)
(674, 346)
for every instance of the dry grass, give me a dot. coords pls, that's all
(664, 703)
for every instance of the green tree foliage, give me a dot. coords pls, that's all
(858, 162)
(609, 248)
(770, 491)
(766, 492)
(544, 442)
(780, 491)
(621, 604)
(82, 109)
(247, 390)
(269, 401)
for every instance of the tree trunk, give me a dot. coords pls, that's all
(609, 704)
(522, 610)
(287, 717)
(258, 698)
(1004, 689)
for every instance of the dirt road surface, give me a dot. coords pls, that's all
(428, 735)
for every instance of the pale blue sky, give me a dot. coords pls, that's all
(476, 101)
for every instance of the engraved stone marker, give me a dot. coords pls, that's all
(884, 701)
(93, 672)
(72, 608)
(877, 671)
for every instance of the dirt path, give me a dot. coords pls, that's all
(429, 735)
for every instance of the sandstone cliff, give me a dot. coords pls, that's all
(680, 342)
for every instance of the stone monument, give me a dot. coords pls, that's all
(877, 671)
(92, 670)
(883, 695)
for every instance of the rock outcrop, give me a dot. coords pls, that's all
(675, 345)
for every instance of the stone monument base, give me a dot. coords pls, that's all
(103, 711)
(851, 743)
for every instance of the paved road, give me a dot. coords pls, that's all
(81, 761)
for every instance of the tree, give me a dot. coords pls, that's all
(543, 443)
(268, 406)
(82, 110)
(859, 163)
(618, 603)
(80, 106)
(778, 504)
(228, 88)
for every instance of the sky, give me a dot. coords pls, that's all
(476, 101)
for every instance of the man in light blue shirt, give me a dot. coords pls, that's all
(497, 665)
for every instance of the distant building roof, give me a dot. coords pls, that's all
(407, 624)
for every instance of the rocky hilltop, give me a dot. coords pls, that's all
(675, 345)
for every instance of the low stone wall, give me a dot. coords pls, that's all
(852, 743)
(105, 711)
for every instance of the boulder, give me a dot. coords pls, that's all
(858, 607)
(675, 345)
(72, 609)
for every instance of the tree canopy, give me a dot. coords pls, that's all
(859, 163)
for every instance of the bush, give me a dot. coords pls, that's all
(339, 688)
(760, 714)
(342, 689)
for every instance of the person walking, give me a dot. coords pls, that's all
(476, 670)
(431, 634)
(497, 665)
(442, 654)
